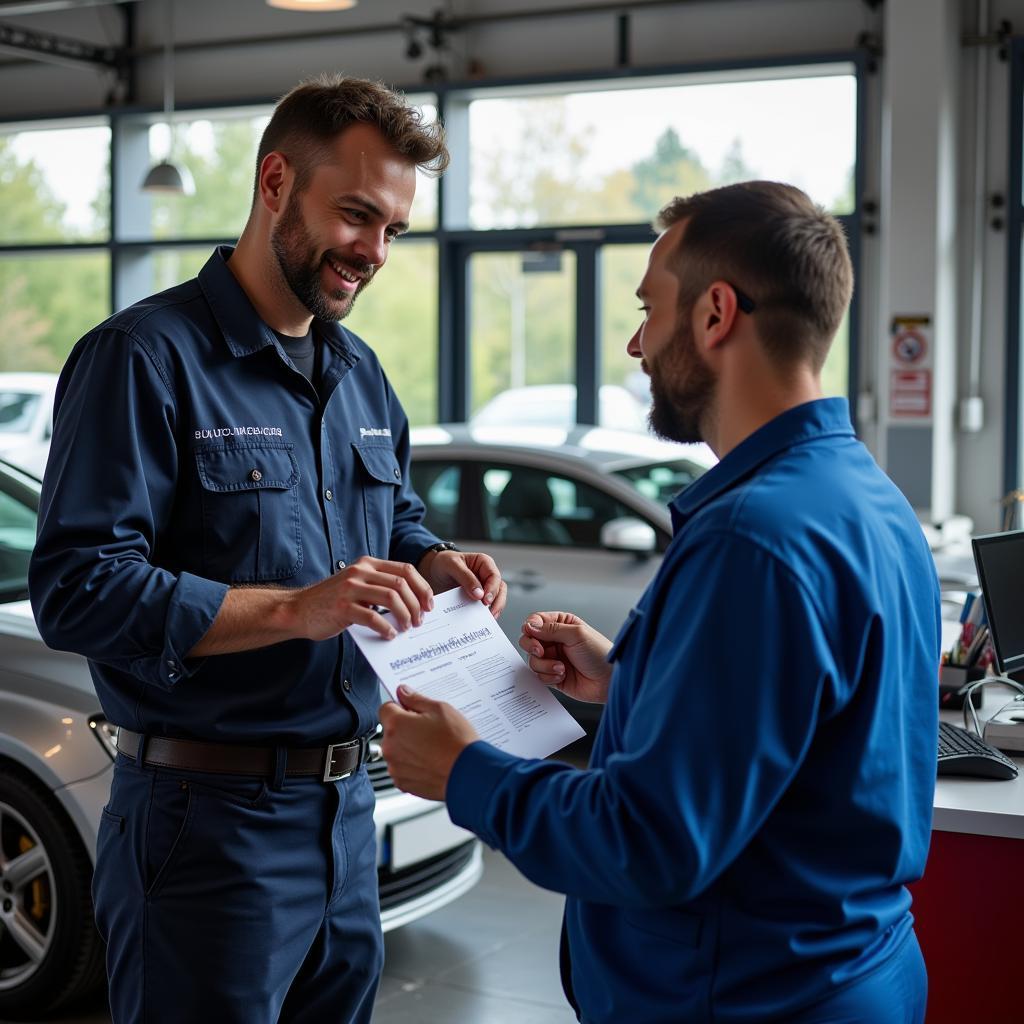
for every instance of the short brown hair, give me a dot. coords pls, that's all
(772, 242)
(312, 115)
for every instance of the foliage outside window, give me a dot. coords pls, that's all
(396, 315)
(618, 155)
(47, 302)
(522, 321)
(55, 185)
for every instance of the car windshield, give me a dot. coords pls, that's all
(17, 411)
(662, 481)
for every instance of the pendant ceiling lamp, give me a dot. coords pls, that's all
(166, 178)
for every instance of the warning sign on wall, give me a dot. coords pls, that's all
(910, 373)
(910, 393)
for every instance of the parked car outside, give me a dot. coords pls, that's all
(56, 761)
(554, 405)
(577, 519)
(26, 419)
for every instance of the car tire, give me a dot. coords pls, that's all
(46, 900)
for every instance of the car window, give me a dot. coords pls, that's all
(17, 412)
(437, 483)
(17, 536)
(524, 505)
(662, 481)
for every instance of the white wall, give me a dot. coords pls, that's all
(715, 30)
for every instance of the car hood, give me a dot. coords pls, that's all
(29, 667)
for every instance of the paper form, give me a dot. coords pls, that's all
(460, 655)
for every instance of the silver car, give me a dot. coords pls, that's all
(56, 756)
(577, 518)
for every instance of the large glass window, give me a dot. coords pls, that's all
(55, 184)
(397, 317)
(622, 268)
(603, 156)
(47, 302)
(616, 154)
(521, 337)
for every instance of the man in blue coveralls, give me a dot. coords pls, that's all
(760, 790)
(227, 492)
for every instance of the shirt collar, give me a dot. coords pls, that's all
(824, 417)
(244, 332)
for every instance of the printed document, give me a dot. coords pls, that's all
(460, 655)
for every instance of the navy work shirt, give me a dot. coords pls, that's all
(188, 456)
(761, 787)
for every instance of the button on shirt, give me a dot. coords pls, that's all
(761, 786)
(188, 456)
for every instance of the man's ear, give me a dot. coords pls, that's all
(275, 178)
(715, 315)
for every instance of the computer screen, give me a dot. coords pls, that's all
(1000, 561)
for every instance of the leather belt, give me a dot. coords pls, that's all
(331, 763)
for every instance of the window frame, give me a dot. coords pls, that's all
(455, 246)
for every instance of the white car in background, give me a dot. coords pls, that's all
(554, 405)
(26, 419)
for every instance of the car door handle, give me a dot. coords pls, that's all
(525, 579)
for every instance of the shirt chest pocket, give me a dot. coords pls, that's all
(250, 501)
(379, 477)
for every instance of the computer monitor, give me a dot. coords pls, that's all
(1000, 561)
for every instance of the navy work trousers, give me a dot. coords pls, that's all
(224, 898)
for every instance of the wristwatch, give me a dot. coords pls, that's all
(441, 545)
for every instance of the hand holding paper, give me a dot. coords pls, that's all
(459, 656)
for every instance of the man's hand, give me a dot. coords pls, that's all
(422, 740)
(474, 571)
(326, 608)
(568, 654)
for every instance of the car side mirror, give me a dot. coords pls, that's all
(629, 534)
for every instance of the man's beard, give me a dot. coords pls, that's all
(297, 257)
(682, 388)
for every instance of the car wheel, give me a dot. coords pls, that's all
(50, 951)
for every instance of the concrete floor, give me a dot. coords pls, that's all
(490, 957)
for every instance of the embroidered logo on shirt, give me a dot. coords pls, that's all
(212, 432)
(374, 431)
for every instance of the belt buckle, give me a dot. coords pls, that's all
(332, 776)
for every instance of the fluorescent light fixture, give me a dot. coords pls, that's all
(312, 5)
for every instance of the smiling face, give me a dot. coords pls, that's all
(333, 236)
(682, 384)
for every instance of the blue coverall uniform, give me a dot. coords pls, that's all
(761, 787)
(189, 455)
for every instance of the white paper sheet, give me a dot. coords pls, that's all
(460, 655)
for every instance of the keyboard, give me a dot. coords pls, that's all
(963, 753)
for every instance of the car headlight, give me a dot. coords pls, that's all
(106, 733)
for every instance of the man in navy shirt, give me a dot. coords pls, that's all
(227, 492)
(761, 786)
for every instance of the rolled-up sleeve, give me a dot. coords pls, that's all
(109, 485)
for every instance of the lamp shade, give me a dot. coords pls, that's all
(312, 5)
(166, 178)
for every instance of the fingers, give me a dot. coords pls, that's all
(399, 597)
(414, 701)
(373, 620)
(462, 576)
(540, 626)
(549, 670)
(402, 570)
(498, 604)
(490, 579)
